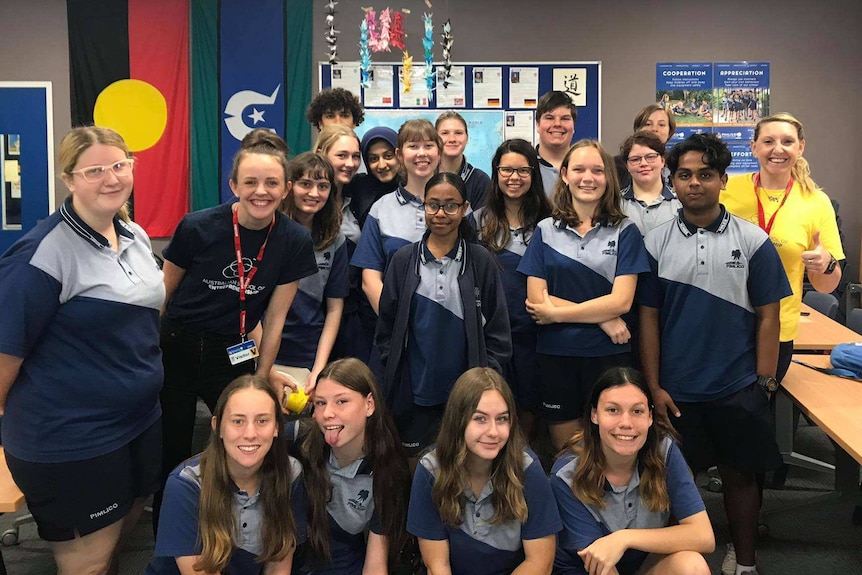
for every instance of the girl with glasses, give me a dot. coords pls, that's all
(655, 118)
(647, 200)
(442, 311)
(312, 323)
(514, 205)
(452, 128)
(481, 503)
(582, 269)
(80, 295)
(621, 485)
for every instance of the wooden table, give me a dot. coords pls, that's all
(835, 405)
(819, 333)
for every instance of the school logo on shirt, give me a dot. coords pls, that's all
(358, 502)
(325, 262)
(736, 256)
(611, 250)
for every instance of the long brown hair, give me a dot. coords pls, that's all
(391, 475)
(217, 526)
(588, 482)
(507, 469)
(609, 206)
(494, 226)
(326, 223)
(800, 171)
(79, 140)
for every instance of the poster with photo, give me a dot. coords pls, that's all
(523, 87)
(685, 90)
(417, 97)
(454, 95)
(741, 95)
(346, 76)
(380, 92)
(487, 87)
(521, 124)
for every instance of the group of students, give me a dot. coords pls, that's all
(547, 274)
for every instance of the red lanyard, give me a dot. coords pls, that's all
(761, 218)
(243, 280)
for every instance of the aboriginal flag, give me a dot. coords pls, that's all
(130, 72)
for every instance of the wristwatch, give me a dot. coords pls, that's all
(830, 267)
(770, 384)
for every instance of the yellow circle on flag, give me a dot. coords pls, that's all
(135, 109)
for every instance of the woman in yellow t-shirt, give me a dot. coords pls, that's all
(798, 216)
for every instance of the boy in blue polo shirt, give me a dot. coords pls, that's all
(709, 334)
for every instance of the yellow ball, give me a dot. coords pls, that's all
(297, 401)
(135, 109)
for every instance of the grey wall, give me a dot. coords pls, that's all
(814, 48)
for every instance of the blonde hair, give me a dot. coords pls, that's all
(329, 135)
(800, 171)
(79, 140)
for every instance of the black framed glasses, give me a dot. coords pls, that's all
(507, 171)
(449, 208)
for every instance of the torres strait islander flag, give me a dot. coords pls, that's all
(130, 72)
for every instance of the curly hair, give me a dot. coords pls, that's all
(334, 100)
(715, 152)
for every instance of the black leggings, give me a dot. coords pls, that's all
(196, 365)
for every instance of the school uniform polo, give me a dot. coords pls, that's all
(580, 268)
(85, 320)
(304, 323)
(514, 282)
(395, 220)
(179, 522)
(477, 181)
(707, 282)
(584, 523)
(647, 216)
(550, 175)
(476, 546)
(351, 514)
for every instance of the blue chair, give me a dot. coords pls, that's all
(825, 303)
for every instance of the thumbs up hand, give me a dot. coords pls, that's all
(817, 258)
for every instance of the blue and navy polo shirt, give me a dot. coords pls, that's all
(578, 269)
(514, 282)
(648, 216)
(550, 176)
(304, 324)
(707, 282)
(85, 319)
(584, 523)
(207, 299)
(179, 523)
(476, 546)
(351, 514)
(395, 220)
(436, 329)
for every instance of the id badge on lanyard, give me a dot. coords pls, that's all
(245, 350)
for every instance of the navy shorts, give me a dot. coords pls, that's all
(564, 382)
(418, 427)
(81, 497)
(737, 430)
(520, 371)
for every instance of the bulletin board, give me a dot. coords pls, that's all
(504, 93)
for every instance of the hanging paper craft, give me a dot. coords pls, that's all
(385, 22)
(447, 52)
(371, 22)
(428, 44)
(330, 36)
(406, 70)
(364, 55)
(396, 32)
